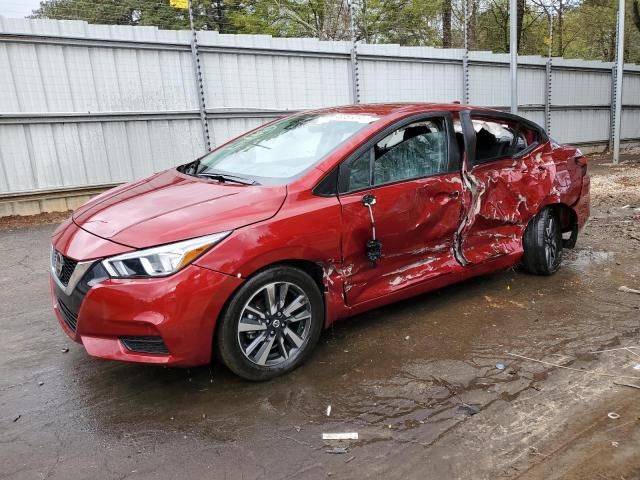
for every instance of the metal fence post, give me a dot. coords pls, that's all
(618, 82)
(465, 56)
(195, 55)
(547, 97)
(612, 109)
(355, 73)
(513, 50)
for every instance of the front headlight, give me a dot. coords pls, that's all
(160, 261)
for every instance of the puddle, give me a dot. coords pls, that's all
(585, 260)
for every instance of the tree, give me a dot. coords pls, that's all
(114, 12)
(446, 23)
(208, 15)
(323, 19)
(582, 28)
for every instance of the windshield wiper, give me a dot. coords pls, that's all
(225, 177)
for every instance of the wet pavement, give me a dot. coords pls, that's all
(416, 380)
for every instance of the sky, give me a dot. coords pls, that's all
(17, 8)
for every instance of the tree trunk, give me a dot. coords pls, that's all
(446, 24)
(560, 28)
(520, 8)
(473, 25)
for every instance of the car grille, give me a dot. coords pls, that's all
(66, 269)
(145, 344)
(70, 318)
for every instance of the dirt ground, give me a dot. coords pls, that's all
(416, 380)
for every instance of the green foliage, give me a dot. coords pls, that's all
(582, 28)
(115, 12)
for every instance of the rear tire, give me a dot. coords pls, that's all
(542, 243)
(271, 325)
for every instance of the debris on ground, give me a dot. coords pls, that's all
(40, 384)
(17, 418)
(627, 385)
(593, 372)
(626, 289)
(340, 436)
(328, 410)
(337, 450)
(613, 415)
(500, 366)
(13, 222)
(65, 350)
(297, 428)
(349, 459)
(470, 408)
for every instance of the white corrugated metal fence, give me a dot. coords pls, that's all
(92, 105)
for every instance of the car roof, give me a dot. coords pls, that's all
(384, 109)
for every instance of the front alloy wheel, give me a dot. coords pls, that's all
(271, 324)
(274, 324)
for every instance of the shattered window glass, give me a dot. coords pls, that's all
(414, 151)
(359, 172)
(495, 140)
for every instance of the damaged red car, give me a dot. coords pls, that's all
(253, 249)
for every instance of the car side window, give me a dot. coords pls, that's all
(416, 150)
(495, 139)
(359, 172)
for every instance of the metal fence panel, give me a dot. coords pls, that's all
(581, 126)
(579, 87)
(631, 90)
(85, 105)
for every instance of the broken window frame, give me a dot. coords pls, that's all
(541, 135)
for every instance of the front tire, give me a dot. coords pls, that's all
(271, 324)
(542, 243)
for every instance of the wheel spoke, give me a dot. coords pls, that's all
(284, 289)
(257, 341)
(300, 317)
(270, 298)
(255, 311)
(247, 326)
(282, 347)
(297, 341)
(296, 304)
(265, 349)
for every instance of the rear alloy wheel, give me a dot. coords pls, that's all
(271, 324)
(542, 244)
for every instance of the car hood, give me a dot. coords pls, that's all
(170, 206)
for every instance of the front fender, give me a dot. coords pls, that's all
(310, 230)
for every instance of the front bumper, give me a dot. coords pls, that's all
(182, 309)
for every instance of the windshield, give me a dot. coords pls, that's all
(285, 148)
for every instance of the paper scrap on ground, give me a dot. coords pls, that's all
(340, 436)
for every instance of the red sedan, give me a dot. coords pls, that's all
(254, 248)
